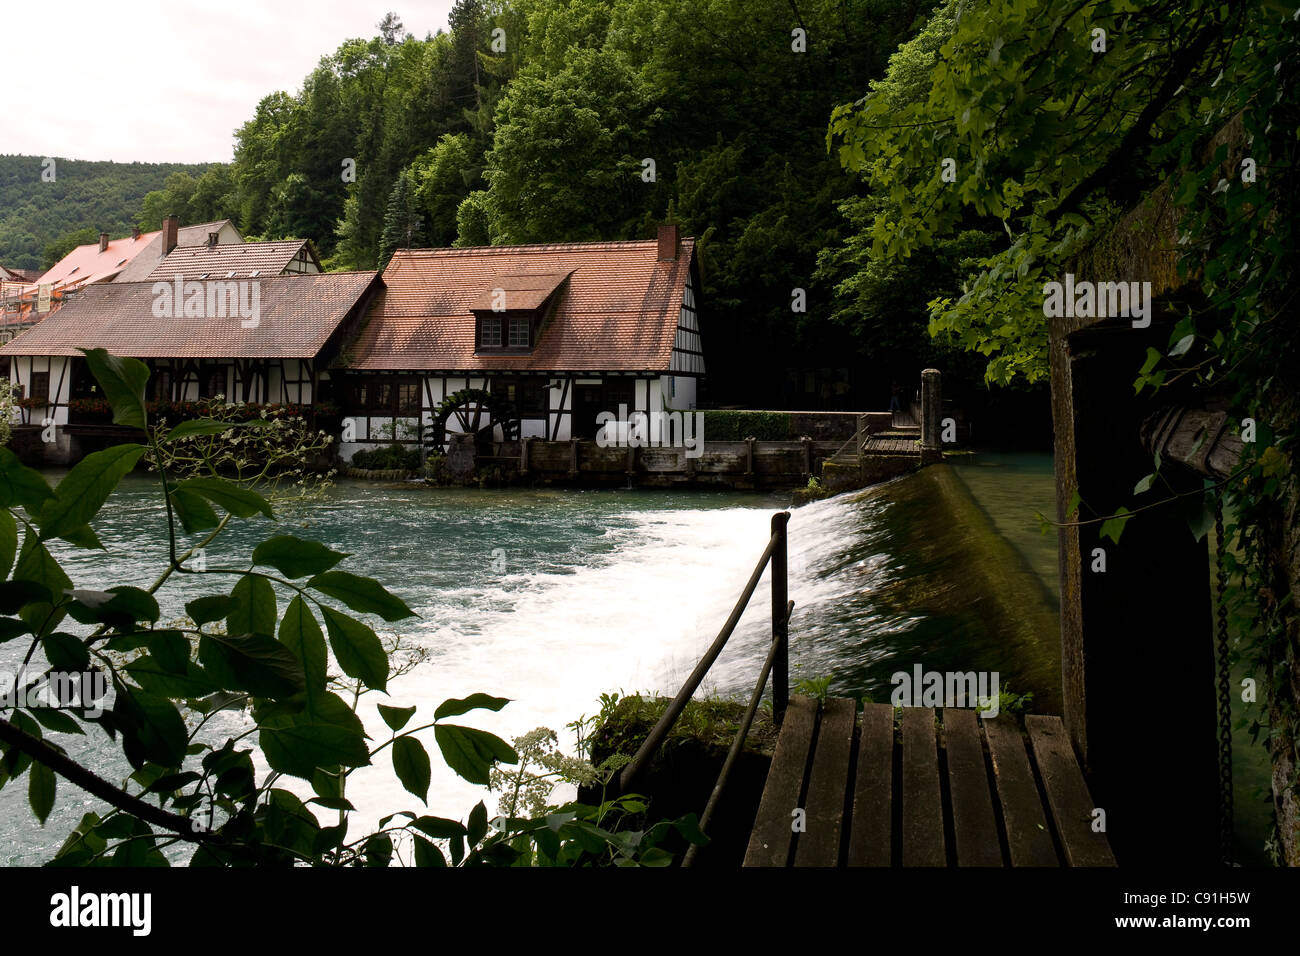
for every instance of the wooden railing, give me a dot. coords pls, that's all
(777, 665)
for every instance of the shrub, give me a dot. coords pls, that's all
(394, 456)
(737, 426)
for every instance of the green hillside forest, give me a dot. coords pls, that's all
(47, 208)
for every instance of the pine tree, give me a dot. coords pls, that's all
(403, 225)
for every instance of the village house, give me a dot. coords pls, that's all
(281, 356)
(128, 259)
(557, 334)
(542, 341)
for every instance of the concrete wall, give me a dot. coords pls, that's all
(735, 464)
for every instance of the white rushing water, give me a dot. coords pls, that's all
(547, 598)
(636, 619)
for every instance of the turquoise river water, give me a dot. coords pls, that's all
(551, 598)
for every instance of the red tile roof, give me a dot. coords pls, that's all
(138, 269)
(243, 259)
(86, 264)
(618, 311)
(297, 316)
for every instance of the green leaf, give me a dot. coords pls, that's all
(123, 381)
(328, 782)
(333, 803)
(477, 827)
(1153, 358)
(1199, 517)
(411, 762)
(358, 650)
(229, 496)
(81, 494)
(193, 511)
(18, 594)
(302, 635)
(84, 537)
(20, 485)
(199, 426)
(171, 782)
(65, 652)
(11, 627)
(655, 857)
(439, 828)
(471, 752)
(171, 649)
(365, 595)
(190, 684)
(396, 717)
(1181, 346)
(15, 762)
(254, 611)
(36, 564)
(212, 607)
(427, 854)
(300, 742)
(295, 557)
(151, 727)
(8, 542)
(689, 827)
(1144, 484)
(457, 706)
(56, 720)
(40, 791)
(139, 851)
(255, 663)
(378, 850)
(119, 607)
(1113, 527)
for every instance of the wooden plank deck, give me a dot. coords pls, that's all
(946, 788)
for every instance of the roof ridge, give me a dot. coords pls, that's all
(603, 243)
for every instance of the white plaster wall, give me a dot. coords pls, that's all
(21, 368)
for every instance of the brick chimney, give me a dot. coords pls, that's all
(103, 241)
(170, 225)
(135, 233)
(670, 242)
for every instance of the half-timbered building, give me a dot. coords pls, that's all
(279, 353)
(556, 333)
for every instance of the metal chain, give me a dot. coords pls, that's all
(1224, 685)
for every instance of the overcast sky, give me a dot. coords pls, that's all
(168, 80)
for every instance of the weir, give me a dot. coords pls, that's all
(909, 786)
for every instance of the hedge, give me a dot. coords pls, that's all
(721, 425)
(393, 457)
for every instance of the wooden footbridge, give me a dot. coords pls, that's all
(916, 787)
(923, 790)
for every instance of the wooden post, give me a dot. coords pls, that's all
(1137, 655)
(780, 627)
(573, 457)
(523, 456)
(931, 409)
(749, 457)
(630, 466)
(807, 457)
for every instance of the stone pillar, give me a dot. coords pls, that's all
(931, 409)
(460, 456)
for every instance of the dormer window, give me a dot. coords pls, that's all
(489, 333)
(505, 332)
(519, 337)
(510, 314)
